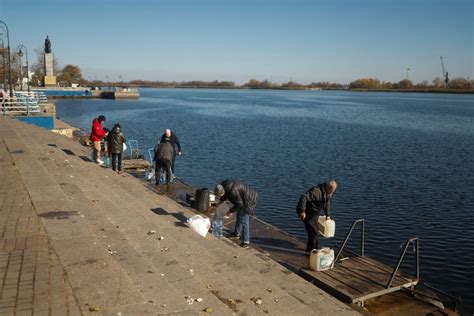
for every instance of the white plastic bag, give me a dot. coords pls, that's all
(199, 224)
(124, 147)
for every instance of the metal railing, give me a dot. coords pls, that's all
(19, 106)
(33, 96)
(362, 238)
(416, 243)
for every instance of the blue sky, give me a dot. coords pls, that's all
(338, 40)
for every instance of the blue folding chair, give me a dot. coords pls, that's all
(133, 146)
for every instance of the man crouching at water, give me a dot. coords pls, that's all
(309, 205)
(244, 200)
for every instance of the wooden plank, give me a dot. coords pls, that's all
(380, 266)
(370, 273)
(351, 279)
(383, 268)
(328, 284)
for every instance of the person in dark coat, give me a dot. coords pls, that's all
(310, 203)
(171, 138)
(163, 159)
(244, 200)
(116, 139)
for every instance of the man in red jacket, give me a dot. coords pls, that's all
(97, 134)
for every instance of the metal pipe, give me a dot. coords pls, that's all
(347, 237)
(408, 242)
(9, 60)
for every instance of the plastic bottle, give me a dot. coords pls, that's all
(217, 228)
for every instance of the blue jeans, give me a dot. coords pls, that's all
(243, 224)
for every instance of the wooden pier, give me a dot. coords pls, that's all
(357, 278)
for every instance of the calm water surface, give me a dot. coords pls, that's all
(404, 162)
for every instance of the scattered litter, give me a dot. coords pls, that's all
(161, 238)
(191, 271)
(270, 290)
(110, 251)
(94, 309)
(208, 286)
(276, 300)
(208, 310)
(151, 232)
(151, 302)
(104, 236)
(236, 256)
(149, 271)
(165, 249)
(199, 300)
(189, 300)
(71, 176)
(162, 274)
(256, 300)
(163, 305)
(82, 216)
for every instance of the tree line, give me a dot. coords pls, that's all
(72, 74)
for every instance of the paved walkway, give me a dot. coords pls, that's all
(75, 239)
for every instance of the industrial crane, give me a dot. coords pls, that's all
(445, 73)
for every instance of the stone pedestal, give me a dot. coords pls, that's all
(50, 78)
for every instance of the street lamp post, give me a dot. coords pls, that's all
(4, 67)
(20, 53)
(9, 60)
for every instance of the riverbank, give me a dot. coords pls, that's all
(116, 244)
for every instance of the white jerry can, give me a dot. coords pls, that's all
(322, 259)
(327, 227)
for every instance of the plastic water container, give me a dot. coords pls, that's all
(327, 227)
(217, 227)
(322, 259)
(222, 209)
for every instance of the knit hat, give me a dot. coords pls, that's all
(219, 190)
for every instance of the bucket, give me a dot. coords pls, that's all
(327, 227)
(322, 259)
(222, 209)
(202, 199)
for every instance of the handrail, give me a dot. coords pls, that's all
(362, 238)
(402, 255)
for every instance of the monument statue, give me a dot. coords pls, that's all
(47, 45)
(49, 79)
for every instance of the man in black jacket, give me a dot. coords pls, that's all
(171, 138)
(309, 205)
(244, 200)
(163, 157)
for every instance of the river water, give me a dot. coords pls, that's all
(403, 162)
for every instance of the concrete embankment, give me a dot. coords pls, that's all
(77, 238)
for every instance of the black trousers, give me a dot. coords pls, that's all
(163, 164)
(172, 163)
(313, 231)
(117, 162)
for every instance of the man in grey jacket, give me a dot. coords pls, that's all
(244, 200)
(163, 158)
(310, 203)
